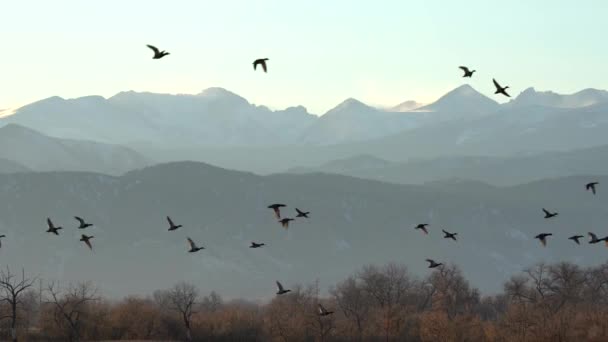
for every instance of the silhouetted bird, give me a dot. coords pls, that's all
(449, 235)
(543, 238)
(193, 246)
(549, 214)
(172, 226)
(86, 239)
(591, 186)
(157, 54)
(277, 209)
(467, 72)
(433, 264)
(323, 311)
(575, 238)
(422, 227)
(594, 238)
(285, 222)
(256, 245)
(82, 224)
(262, 62)
(302, 213)
(1, 236)
(52, 228)
(500, 90)
(281, 289)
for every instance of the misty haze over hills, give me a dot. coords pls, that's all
(439, 163)
(224, 210)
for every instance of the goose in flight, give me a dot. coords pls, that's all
(422, 227)
(281, 289)
(82, 224)
(262, 62)
(1, 236)
(172, 226)
(591, 186)
(86, 240)
(52, 228)
(157, 53)
(323, 311)
(543, 238)
(193, 246)
(277, 209)
(594, 238)
(576, 238)
(467, 72)
(433, 263)
(549, 214)
(302, 213)
(285, 222)
(256, 245)
(449, 235)
(500, 90)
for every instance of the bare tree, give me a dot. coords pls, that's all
(70, 306)
(12, 289)
(182, 298)
(354, 302)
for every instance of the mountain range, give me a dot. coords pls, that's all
(353, 222)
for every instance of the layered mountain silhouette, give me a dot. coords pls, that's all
(352, 217)
(23, 149)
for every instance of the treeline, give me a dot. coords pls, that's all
(558, 302)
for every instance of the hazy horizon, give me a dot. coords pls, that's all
(381, 55)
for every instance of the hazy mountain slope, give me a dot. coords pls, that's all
(493, 170)
(225, 210)
(10, 166)
(583, 98)
(38, 152)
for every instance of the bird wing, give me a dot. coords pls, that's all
(546, 211)
(299, 211)
(504, 91)
(444, 232)
(464, 68)
(88, 243)
(277, 212)
(322, 309)
(496, 84)
(79, 220)
(191, 243)
(264, 66)
(543, 240)
(156, 52)
(430, 261)
(425, 231)
(592, 235)
(170, 221)
(49, 223)
(279, 286)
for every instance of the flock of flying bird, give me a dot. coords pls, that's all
(542, 237)
(284, 221)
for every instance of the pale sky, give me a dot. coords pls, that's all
(321, 52)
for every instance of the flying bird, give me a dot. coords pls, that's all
(193, 246)
(285, 222)
(277, 209)
(467, 72)
(575, 238)
(549, 214)
(323, 311)
(157, 53)
(543, 238)
(302, 213)
(422, 227)
(449, 235)
(256, 245)
(172, 226)
(594, 238)
(281, 289)
(86, 239)
(82, 223)
(433, 264)
(500, 90)
(52, 228)
(591, 186)
(1, 236)
(262, 62)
